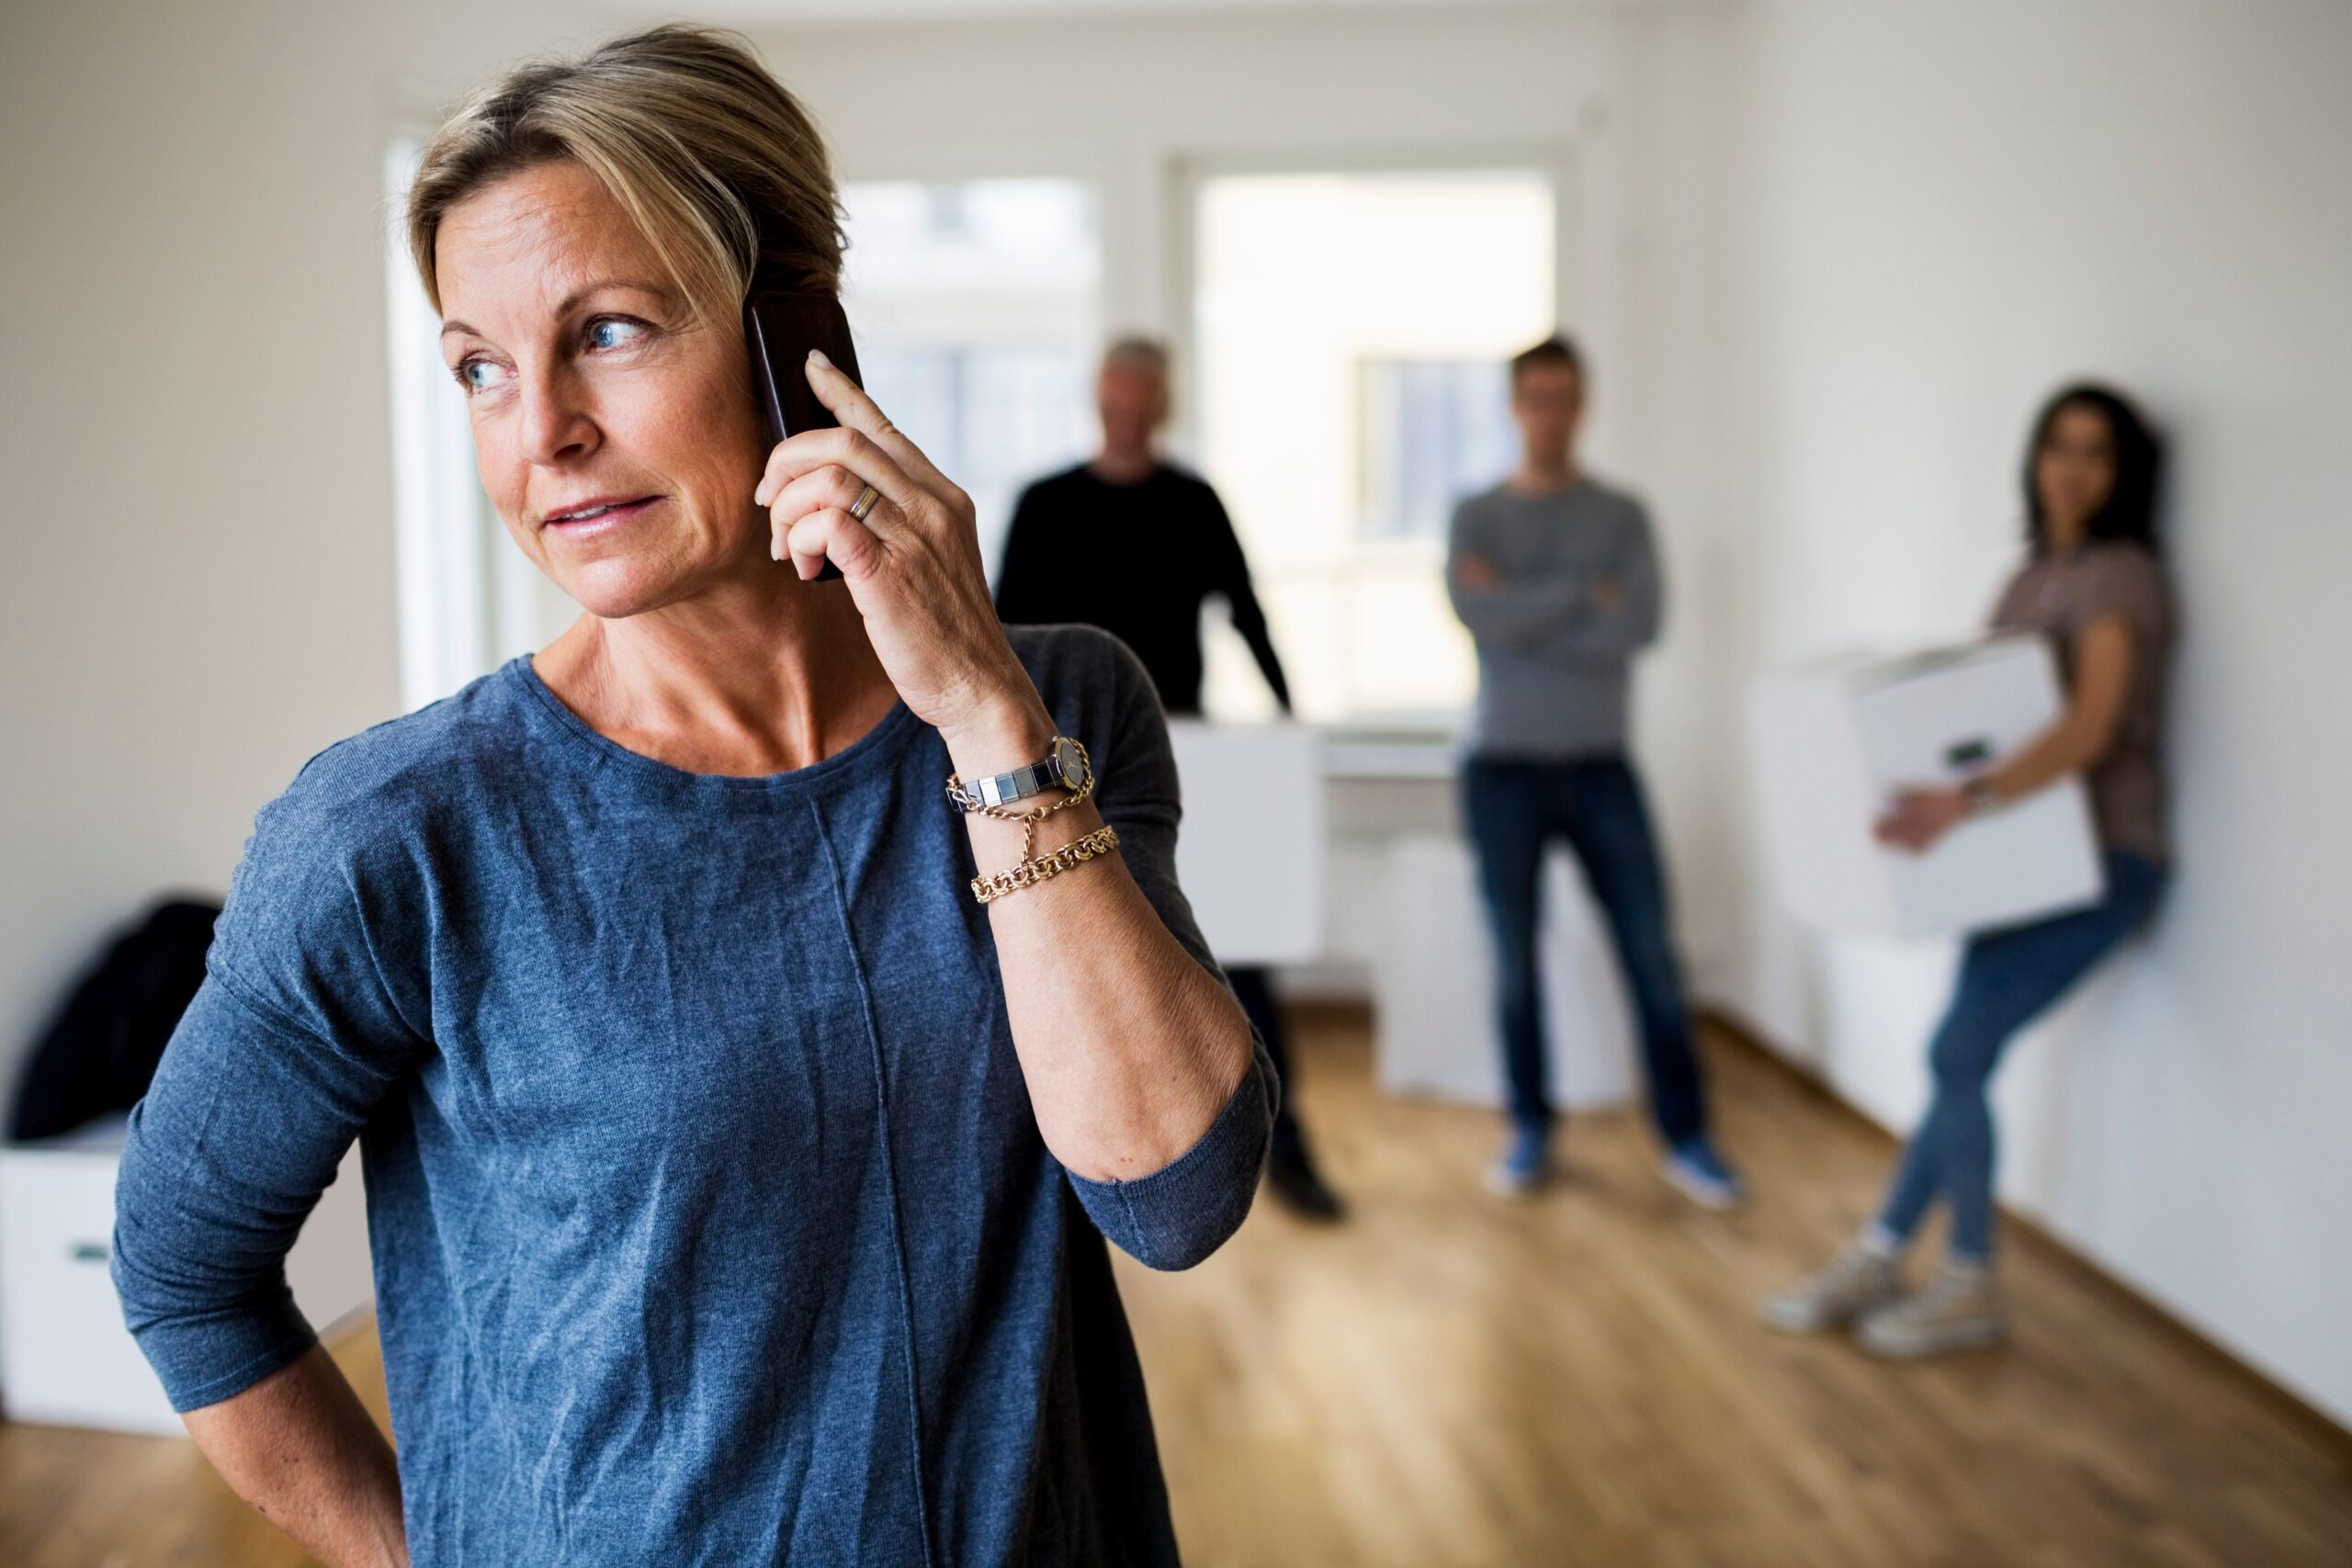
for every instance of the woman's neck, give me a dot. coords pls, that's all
(2064, 536)
(744, 680)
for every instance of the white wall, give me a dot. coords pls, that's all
(1936, 213)
(197, 591)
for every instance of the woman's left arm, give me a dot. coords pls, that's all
(2079, 738)
(1132, 1049)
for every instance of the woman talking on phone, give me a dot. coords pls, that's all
(2091, 585)
(739, 1101)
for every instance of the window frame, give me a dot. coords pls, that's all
(1186, 178)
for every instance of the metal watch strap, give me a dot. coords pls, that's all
(1064, 766)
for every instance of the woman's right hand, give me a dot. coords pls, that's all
(1921, 816)
(912, 567)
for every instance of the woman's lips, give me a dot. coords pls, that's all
(603, 520)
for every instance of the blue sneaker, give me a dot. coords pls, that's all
(1524, 1165)
(1699, 1173)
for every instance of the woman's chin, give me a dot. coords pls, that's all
(615, 590)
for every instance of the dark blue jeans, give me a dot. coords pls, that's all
(1515, 808)
(2007, 980)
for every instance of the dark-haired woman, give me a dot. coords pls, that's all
(2092, 585)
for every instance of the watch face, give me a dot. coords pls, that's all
(1069, 761)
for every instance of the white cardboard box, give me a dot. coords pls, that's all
(1436, 1030)
(65, 1357)
(1250, 851)
(1834, 742)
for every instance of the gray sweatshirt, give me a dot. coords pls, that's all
(1552, 657)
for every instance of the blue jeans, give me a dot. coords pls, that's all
(1514, 809)
(2007, 980)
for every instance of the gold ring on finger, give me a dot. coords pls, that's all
(864, 502)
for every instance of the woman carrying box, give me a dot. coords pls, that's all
(2091, 583)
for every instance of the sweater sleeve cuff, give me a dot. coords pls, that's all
(1184, 1210)
(203, 1359)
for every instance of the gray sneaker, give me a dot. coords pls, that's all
(1960, 1309)
(1856, 1282)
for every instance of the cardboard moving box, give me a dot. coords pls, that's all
(1250, 852)
(1433, 987)
(1834, 742)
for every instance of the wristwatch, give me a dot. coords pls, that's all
(1066, 766)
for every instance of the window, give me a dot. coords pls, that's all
(468, 599)
(1351, 332)
(1428, 432)
(438, 511)
(975, 306)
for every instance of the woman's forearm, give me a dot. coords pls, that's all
(2042, 761)
(2082, 736)
(1130, 1047)
(302, 1450)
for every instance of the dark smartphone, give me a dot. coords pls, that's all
(780, 328)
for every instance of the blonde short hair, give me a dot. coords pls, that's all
(719, 167)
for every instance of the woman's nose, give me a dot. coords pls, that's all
(556, 425)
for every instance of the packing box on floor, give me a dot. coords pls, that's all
(1250, 854)
(1433, 986)
(65, 1357)
(1834, 742)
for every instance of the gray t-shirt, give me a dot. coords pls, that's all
(710, 1216)
(1555, 641)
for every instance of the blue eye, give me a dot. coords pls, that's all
(612, 332)
(477, 375)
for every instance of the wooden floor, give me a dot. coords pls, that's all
(1449, 1380)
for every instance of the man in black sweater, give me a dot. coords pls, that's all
(1130, 544)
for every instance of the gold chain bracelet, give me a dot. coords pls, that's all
(1029, 873)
